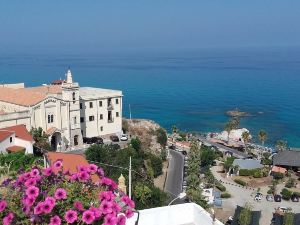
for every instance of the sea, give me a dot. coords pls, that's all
(189, 89)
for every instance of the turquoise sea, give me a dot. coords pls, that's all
(192, 90)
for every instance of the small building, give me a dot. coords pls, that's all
(287, 159)
(278, 169)
(16, 139)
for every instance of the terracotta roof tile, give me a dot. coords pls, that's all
(15, 148)
(20, 131)
(27, 96)
(4, 135)
(70, 162)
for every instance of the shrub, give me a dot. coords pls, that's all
(51, 196)
(245, 172)
(286, 194)
(290, 183)
(240, 182)
(225, 195)
(221, 187)
(278, 176)
(161, 136)
(297, 194)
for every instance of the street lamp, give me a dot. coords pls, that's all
(180, 196)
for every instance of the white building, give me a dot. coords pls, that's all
(15, 139)
(65, 111)
(181, 214)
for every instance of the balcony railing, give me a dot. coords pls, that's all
(110, 107)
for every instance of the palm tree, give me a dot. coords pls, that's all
(262, 136)
(174, 129)
(281, 145)
(246, 138)
(230, 125)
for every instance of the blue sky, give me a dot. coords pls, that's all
(95, 26)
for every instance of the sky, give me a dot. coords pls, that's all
(95, 26)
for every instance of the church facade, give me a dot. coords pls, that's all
(63, 109)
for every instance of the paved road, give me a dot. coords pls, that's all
(175, 173)
(223, 148)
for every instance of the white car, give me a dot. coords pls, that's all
(124, 137)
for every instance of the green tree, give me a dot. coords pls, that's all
(281, 145)
(288, 218)
(246, 138)
(40, 138)
(231, 125)
(142, 192)
(136, 144)
(161, 136)
(245, 215)
(228, 163)
(174, 129)
(262, 136)
(207, 156)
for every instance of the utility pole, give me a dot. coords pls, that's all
(129, 112)
(129, 180)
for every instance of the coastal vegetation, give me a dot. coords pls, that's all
(262, 136)
(281, 145)
(145, 165)
(231, 125)
(246, 138)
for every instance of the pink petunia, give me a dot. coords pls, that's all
(88, 217)
(38, 209)
(8, 219)
(73, 177)
(121, 220)
(55, 220)
(93, 168)
(31, 182)
(71, 216)
(97, 212)
(47, 172)
(78, 205)
(110, 219)
(106, 207)
(82, 169)
(3, 205)
(47, 207)
(116, 207)
(60, 193)
(32, 191)
(129, 213)
(128, 201)
(34, 173)
(51, 200)
(106, 195)
(83, 176)
(29, 200)
(58, 164)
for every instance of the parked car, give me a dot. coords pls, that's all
(184, 153)
(114, 138)
(93, 140)
(257, 198)
(277, 198)
(124, 137)
(295, 198)
(270, 198)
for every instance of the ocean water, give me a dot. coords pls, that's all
(192, 90)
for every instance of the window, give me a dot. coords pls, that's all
(101, 116)
(91, 104)
(91, 118)
(117, 114)
(80, 105)
(75, 119)
(100, 103)
(74, 97)
(50, 118)
(117, 101)
(101, 128)
(81, 119)
(10, 139)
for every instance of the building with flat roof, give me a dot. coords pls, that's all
(63, 109)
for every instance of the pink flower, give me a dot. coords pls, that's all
(83, 176)
(121, 220)
(60, 193)
(97, 212)
(55, 220)
(100, 172)
(47, 207)
(116, 207)
(129, 213)
(106, 207)
(30, 182)
(34, 172)
(3, 205)
(47, 172)
(93, 168)
(71, 216)
(107, 195)
(128, 201)
(57, 164)
(78, 205)
(32, 191)
(51, 200)
(110, 220)
(73, 177)
(7, 219)
(38, 209)
(82, 169)
(29, 200)
(88, 217)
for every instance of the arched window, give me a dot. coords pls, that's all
(74, 97)
(49, 119)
